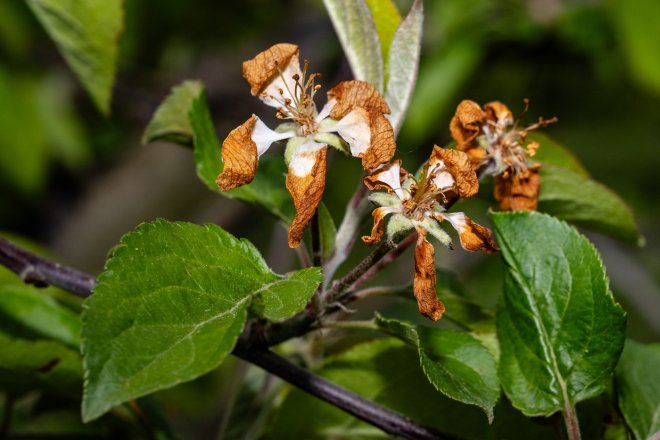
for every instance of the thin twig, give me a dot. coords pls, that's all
(41, 272)
(389, 421)
(50, 273)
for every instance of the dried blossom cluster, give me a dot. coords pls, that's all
(353, 120)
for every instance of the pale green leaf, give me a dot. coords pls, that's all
(359, 38)
(44, 365)
(457, 364)
(387, 20)
(284, 298)
(560, 330)
(168, 308)
(87, 35)
(40, 315)
(184, 118)
(387, 372)
(587, 203)
(403, 64)
(638, 388)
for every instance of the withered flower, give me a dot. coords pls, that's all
(353, 119)
(492, 139)
(419, 203)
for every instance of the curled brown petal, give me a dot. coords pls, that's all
(519, 192)
(459, 166)
(307, 192)
(475, 237)
(499, 113)
(465, 126)
(379, 215)
(382, 146)
(239, 155)
(355, 93)
(424, 282)
(260, 70)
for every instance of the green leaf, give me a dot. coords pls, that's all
(48, 365)
(41, 315)
(552, 152)
(403, 64)
(457, 364)
(168, 308)
(387, 372)
(87, 35)
(284, 298)
(184, 118)
(632, 19)
(328, 230)
(587, 203)
(359, 38)
(638, 388)
(559, 328)
(387, 20)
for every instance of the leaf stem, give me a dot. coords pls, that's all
(572, 422)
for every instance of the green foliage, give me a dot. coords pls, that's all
(48, 365)
(168, 308)
(632, 20)
(386, 20)
(328, 230)
(585, 202)
(284, 298)
(87, 34)
(355, 27)
(638, 388)
(553, 153)
(388, 372)
(402, 64)
(27, 311)
(457, 364)
(560, 330)
(184, 118)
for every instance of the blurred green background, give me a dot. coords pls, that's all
(75, 181)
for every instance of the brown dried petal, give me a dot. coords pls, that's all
(379, 215)
(382, 145)
(475, 237)
(424, 282)
(459, 166)
(307, 192)
(239, 155)
(260, 70)
(355, 93)
(518, 193)
(499, 113)
(465, 126)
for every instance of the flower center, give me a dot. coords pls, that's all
(298, 105)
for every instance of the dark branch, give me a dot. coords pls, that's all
(389, 421)
(43, 272)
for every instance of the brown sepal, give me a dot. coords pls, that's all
(382, 147)
(465, 126)
(307, 193)
(379, 215)
(518, 193)
(459, 166)
(259, 71)
(239, 155)
(355, 93)
(424, 282)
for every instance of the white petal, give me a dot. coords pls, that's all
(271, 95)
(325, 111)
(391, 176)
(457, 220)
(355, 129)
(264, 136)
(304, 157)
(443, 180)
